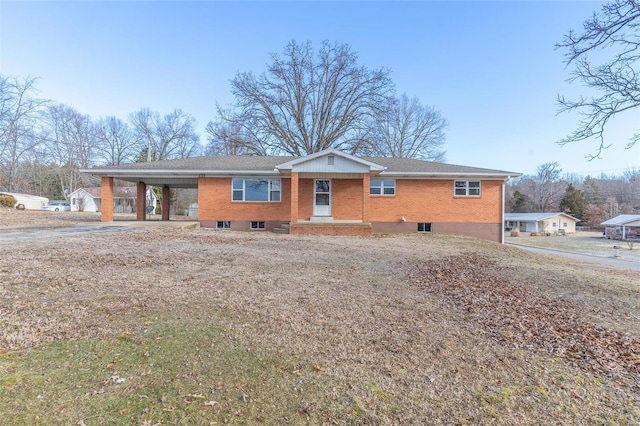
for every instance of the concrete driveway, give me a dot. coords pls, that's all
(36, 233)
(21, 234)
(600, 261)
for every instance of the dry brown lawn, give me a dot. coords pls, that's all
(411, 329)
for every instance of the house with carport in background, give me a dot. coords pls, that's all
(124, 199)
(328, 192)
(543, 223)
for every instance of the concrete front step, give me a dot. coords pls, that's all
(331, 228)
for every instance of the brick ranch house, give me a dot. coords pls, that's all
(329, 192)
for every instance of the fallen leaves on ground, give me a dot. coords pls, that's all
(510, 312)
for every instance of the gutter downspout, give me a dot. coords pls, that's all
(504, 184)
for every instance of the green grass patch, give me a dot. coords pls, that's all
(171, 373)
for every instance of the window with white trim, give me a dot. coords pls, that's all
(223, 224)
(257, 225)
(382, 187)
(424, 227)
(255, 189)
(467, 188)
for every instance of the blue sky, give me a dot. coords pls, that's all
(490, 67)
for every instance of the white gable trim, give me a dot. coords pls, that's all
(314, 161)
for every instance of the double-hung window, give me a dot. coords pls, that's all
(467, 188)
(245, 189)
(382, 187)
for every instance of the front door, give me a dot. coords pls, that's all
(322, 198)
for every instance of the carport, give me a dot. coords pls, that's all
(624, 227)
(177, 175)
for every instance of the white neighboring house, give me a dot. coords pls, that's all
(550, 222)
(28, 201)
(193, 210)
(124, 199)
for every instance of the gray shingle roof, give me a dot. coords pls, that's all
(268, 164)
(230, 162)
(410, 165)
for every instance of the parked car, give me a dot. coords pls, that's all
(58, 207)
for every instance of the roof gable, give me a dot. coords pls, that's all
(330, 161)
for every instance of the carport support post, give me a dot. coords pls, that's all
(141, 201)
(106, 204)
(166, 195)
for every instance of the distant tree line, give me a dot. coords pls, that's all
(591, 199)
(44, 144)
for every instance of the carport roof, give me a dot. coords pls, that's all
(623, 219)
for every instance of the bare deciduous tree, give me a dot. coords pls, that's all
(407, 129)
(306, 103)
(547, 186)
(230, 138)
(542, 189)
(165, 138)
(19, 120)
(616, 81)
(70, 141)
(116, 143)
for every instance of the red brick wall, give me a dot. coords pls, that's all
(106, 203)
(433, 201)
(214, 203)
(346, 199)
(416, 200)
(166, 202)
(305, 199)
(141, 201)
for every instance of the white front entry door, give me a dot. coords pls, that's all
(322, 198)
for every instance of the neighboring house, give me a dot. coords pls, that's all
(329, 192)
(554, 222)
(623, 227)
(124, 199)
(28, 201)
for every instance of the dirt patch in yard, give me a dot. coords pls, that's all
(412, 329)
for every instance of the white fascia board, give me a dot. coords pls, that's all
(180, 173)
(446, 175)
